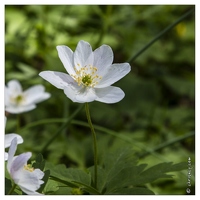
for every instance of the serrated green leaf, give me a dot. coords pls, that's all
(121, 174)
(40, 162)
(101, 177)
(39, 158)
(127, 176)
(118, 160)
(69, 175)
(119, 169)
(159, 171)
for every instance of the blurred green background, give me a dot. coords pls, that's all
(159, 105)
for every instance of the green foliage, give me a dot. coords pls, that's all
(120, 165)
(39, 162)
(8, 185)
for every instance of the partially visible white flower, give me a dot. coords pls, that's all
(18, 101)
(8, 139)
(90, 74)
(25, 176)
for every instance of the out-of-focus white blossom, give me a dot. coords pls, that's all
(19, 101)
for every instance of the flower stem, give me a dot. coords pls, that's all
(161, 34)
(12, 189)
(94, 143)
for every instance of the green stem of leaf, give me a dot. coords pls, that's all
(94, 142)
(161, 34)
(12, 189)
(61, 128)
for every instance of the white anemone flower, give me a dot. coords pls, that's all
(8, 139)
(19, 101)
(90, 74)
(25, 176)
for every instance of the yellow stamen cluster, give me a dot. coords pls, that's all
(86, 76)
(29, 168)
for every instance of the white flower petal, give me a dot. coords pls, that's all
(66, 56)
(29, 182)
(9, 137)
(103, 58)
(35, 94)
(115, 72)
(83, 54)
(71, 93)
(19, 109)
(109, 94)
(5, 156)
(58, 79)
(14, 87)
(18, 164)
(11, 153)
(6, 96)
(86, 95)
(80, 95)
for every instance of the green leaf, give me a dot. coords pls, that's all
(40, 162)
(121, 174)
(118, 171)
(51, 187)
(127, 176)
(159, 171)
(68, 175)
(8, 185)
(88, 188)
(101, 177)
(63, 190)
(67, 183)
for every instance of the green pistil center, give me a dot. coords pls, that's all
(87, 80)
(19, 98)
